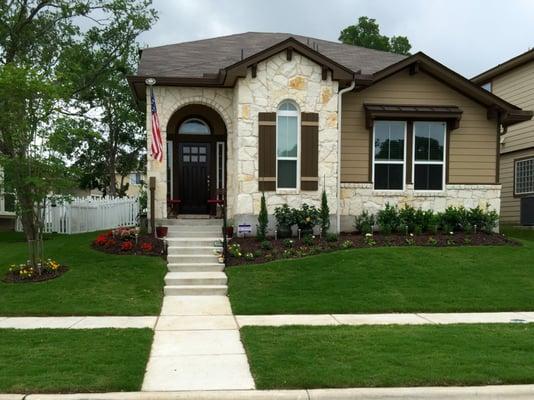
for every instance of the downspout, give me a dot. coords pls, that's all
(339, 112)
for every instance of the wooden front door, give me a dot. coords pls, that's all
(194, 177)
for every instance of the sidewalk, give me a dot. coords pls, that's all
(515, 392)
(215, 314)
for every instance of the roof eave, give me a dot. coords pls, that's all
(504, 67)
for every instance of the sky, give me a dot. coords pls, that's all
(469, 36)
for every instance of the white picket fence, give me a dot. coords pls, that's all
(89, 215)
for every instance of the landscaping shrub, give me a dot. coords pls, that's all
(284, 220)
(266, 245)
(388, 219)
(331, 237)
(324, 214)
(308, 240)
(306, 217)
(364, 222)
(263, 219)
(288, 243)
(407, 218)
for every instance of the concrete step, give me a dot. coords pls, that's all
(195, 278)
(204, 290)
(193, 234)
(194, 267)
(193, 242)
(199, 228)
(201, 250)
(191, 222)
(192, 258)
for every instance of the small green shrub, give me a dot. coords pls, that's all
(452, 218)
(263, 219)
(266, 245)
(369, 240)
(235, 250)
(331, 237)
(306, 217)
(324, 214)
(406, 216)
(418, 230)
(288, 243)
(258, 253)
(347, 244)
(364, 223)
(410, 240)
(432, 241)
(249, 256)
(284, 216)
(309, 240)
(388, 219)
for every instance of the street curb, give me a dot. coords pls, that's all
(521, 392)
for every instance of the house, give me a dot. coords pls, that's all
(292, 116)
(513, 81)
(134, 180)
(7, 205)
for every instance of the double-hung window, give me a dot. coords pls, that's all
(429, 155)
(287, 133)
(524, 176)
(389, 139)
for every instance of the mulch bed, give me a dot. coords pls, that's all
(46, 275)
(301, 249)
(115, 246)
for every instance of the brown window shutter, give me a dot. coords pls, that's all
(267, 151)
(309, 153)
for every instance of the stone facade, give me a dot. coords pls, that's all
(168, 101)
(359, 197)
(276, 80)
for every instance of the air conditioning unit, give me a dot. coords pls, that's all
(527, 210)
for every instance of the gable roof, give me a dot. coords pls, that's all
(506, 66)
(207, 57)
(509, 113)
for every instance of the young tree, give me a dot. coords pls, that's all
(366, 33)
(49, 62)
(263, 219)
(324, 214)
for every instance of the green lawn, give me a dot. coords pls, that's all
(357, 356)
(96, 284)
(383, 280)
(60, 360)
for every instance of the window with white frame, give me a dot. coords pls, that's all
(524, 176)
(135, 178)
(389, 154)
(429, 155)
(287, 143)
(194, 126)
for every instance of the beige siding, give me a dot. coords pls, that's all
(472, 146)
(517, 87)
(510, 204)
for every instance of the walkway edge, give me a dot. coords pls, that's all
(513, 392)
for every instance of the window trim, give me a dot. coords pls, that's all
(443, 163)
(403, 162)
(516, 161)
(287, 113)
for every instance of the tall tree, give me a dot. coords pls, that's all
(366, 33)
(52, 52)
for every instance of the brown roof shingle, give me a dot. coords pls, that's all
(206, 57)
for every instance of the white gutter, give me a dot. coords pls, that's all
(339, 112)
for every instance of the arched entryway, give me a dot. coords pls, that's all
(196, 147)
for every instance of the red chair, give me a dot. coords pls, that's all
(217, 201)
(173, 205)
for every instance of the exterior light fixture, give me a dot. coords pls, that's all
(150, 81)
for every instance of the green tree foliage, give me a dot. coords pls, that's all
(324, 214)
(54, 55)
(366, 33)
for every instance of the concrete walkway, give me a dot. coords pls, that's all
(77, 322)
(200, 313)
(385, 319)
(197, 347)
(515, 392)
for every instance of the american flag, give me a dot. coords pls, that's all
(157, 146)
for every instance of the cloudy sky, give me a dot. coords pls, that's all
(469, 36)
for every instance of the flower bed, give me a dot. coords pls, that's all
(251, 251)
(129, 241)
(22, 273)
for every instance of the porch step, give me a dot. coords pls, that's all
(194, 267)
(192, 258)
(193, 234)
(204, 290)
(198, 250)
(193, 242)
(190, 222)
(217, 230)
(195, 278)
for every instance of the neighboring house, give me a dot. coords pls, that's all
(513, 81)
(290, 116)
(7, 205)
(135, 182)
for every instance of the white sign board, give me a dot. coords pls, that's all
(242, 229)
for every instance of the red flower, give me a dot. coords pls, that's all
(101, 240)
(111, 243)
(110, 234)
(126, 246)
(147, 247)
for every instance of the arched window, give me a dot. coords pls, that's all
(287, 143)
(194, 126)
